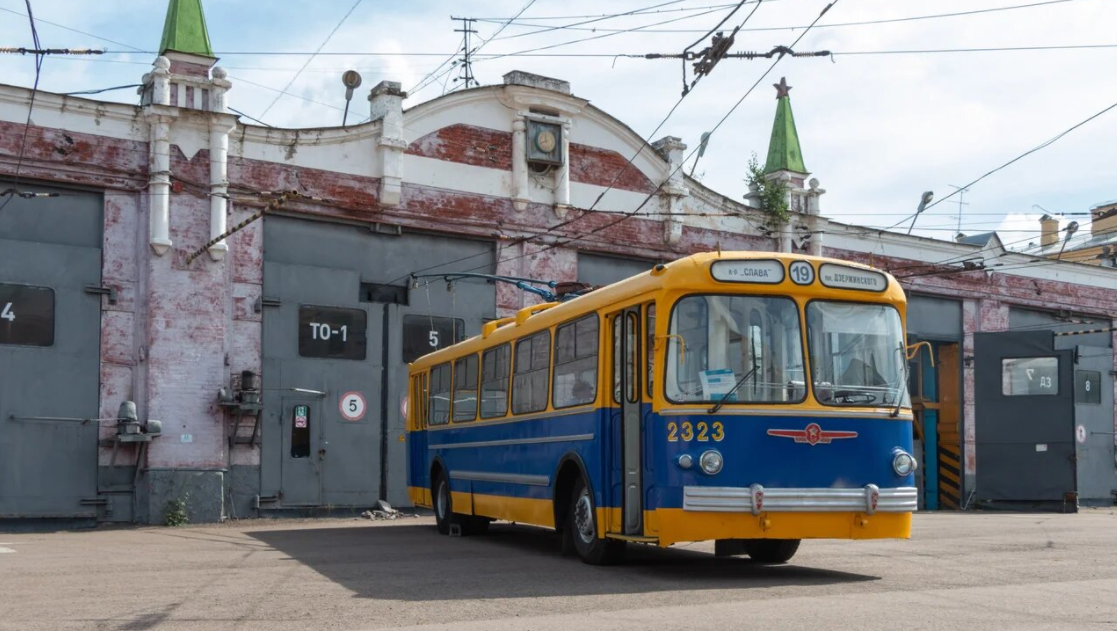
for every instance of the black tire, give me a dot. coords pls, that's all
(771, 550)
(441, 501)
(582, 531)
(444, 514)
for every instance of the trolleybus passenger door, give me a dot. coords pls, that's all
(627, 370)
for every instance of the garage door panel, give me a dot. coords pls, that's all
(1024, 427)
(318, 263)
(48, 464)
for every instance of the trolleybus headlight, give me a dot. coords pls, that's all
(903, 463)
(685, 461)
(711, 461)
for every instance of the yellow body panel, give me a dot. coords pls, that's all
(675, 525)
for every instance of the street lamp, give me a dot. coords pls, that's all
(923, 201)
(352, 80)
(1071, 228)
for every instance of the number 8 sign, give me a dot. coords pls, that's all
(352, 406)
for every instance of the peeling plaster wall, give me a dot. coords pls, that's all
(119, 340)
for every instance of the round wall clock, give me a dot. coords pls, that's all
(545, 140)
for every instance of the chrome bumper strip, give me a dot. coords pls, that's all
(757, 499)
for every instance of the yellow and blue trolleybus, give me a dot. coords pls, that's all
(753, 399)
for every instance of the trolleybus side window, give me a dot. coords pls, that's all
(617, 322)
(632, 358)
(530, 376)
(494, 382)
(465, 389)
(422, 402)
(575, 380)
(751, 343)
(440, 395)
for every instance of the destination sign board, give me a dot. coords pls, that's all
(844, 277)
(766, 271)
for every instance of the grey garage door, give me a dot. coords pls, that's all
(50, 252)
(1024, 425)
(1093, 425)
(341, 322)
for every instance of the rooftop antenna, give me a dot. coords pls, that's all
(352, 80)
(961, 202)
(466, 67)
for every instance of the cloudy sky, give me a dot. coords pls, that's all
(877, 130)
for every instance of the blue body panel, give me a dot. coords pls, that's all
(751, 455)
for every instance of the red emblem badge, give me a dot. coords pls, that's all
(811, 434)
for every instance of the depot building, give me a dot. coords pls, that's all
(275, 359)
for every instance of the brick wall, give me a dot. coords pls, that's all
(479, 146)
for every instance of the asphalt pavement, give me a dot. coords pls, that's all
(959, 571)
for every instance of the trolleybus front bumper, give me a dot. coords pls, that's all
(757, 499)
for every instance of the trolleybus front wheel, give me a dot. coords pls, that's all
(581, 528)
(771, 550)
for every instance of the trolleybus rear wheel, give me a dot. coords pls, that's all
(581, 527)
(771, 550)
(444, 514)
(443, 509)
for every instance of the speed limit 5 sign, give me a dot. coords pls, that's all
(352, 406)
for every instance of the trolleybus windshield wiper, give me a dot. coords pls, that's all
(725, 397)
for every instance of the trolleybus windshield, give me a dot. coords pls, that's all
(857, 353)
(716, 341)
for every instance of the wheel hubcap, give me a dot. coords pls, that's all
(583, 517)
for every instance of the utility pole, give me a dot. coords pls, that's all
(466, 67)
(961, 202)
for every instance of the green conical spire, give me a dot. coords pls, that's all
(783, 149)
(185, 29)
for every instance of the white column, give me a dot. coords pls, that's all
(220, 125)
(520, 196)
(219, 129)
(159, 184)
(671, 149)
(161, 82)
(814, 217)
(386, 105)
(159, 117)
(562, 175)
